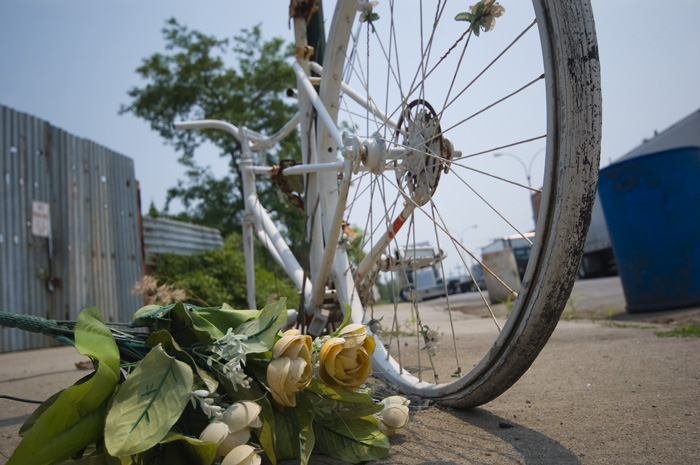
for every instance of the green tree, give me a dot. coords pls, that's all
(216, 276)
(153, 211)
(242, 80)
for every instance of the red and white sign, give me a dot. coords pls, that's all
(41, 219)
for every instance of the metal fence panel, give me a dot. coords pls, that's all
(93, 255)
(163, 235)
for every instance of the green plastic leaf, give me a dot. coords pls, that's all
(185, 324)
(178, 449)
(36, 414)
(347, 319)
(75, 418)
(353, 440)
(293, 433)
(285, 437)
(187, 327)
(100, 457)
(146, 315)
(148, 403)
(303, 415)
(202, 324)
(464, 16)
(165, 339)
(263, 330)
(339, 402)
(226, 316)
(266, 434)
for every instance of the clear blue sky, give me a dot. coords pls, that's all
(71, 62)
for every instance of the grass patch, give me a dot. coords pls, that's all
(681, 331)
(616, 324)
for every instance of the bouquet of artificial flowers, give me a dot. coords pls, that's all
(211, 385)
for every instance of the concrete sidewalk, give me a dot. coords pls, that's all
(603, 392)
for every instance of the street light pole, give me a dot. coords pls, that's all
(526, 168)
(528, 172)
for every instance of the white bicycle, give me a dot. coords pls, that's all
(424, 98)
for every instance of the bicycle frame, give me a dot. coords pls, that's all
(257, 222)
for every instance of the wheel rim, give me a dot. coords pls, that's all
(338, 51)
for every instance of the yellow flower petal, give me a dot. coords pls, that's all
(369, 345)
(277, 372)
(277, 380)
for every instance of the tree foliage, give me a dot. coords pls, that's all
(216, 276)
(242, 80)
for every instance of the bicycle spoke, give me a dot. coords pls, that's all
(501, 100)
(429, 99)
(493, 62)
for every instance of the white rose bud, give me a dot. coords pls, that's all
(393, 416)
(242, 455)
(215, 432)
(241, 415)
(396, 400)
(233, 440)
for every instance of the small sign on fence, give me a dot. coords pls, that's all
(41, 219)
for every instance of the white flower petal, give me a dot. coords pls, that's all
(395, 416)
(242, 455)
(386, 429)
(232, 441)
(241, 415)
(215, 432)
(395, 400)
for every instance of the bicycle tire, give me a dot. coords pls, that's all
(573, 134)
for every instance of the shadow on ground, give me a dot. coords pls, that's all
(437, 436)
(526, 445)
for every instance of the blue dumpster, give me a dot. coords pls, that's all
(652, 207)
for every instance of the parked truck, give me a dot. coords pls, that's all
(423, 276)
(521, 246)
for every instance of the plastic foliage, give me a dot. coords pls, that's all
(154, 392)
(482, 16)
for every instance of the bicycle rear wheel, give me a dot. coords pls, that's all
(435, 101)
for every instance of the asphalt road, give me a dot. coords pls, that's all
(605, 390)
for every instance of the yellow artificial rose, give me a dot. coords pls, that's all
(345, 360)
(290, 369)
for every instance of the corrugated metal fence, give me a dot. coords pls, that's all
(92, 255)
(163, 235)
